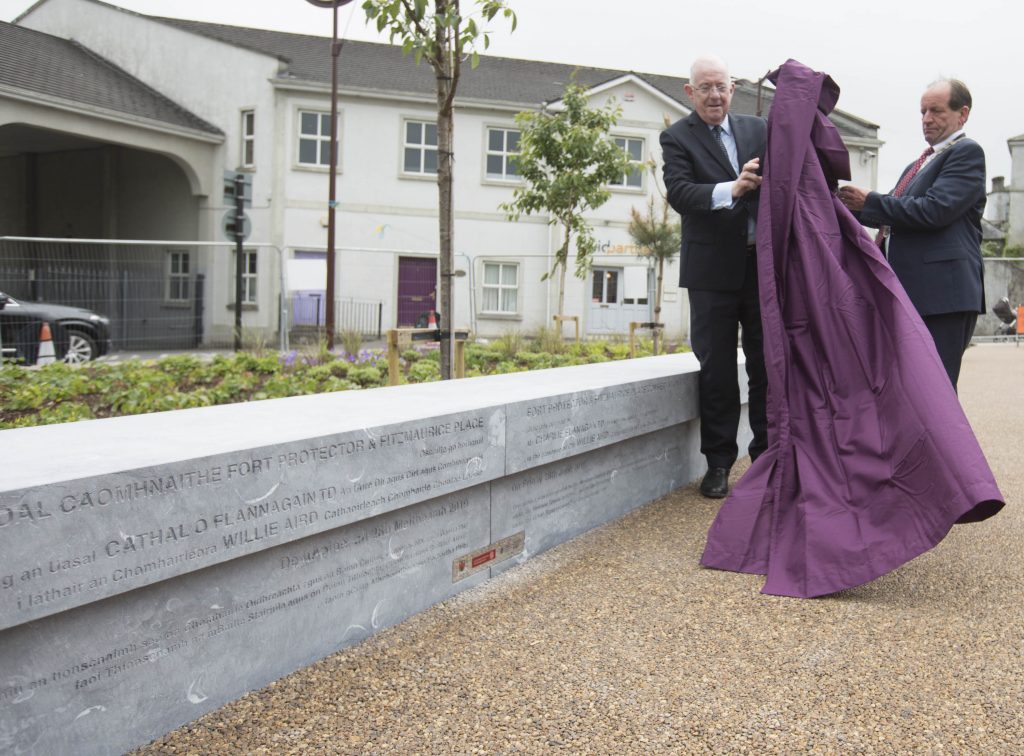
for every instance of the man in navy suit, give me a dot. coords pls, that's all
(711, 167)
(931, 223)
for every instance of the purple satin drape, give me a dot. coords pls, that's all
(871, 459)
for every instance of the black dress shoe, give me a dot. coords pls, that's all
(716, 483)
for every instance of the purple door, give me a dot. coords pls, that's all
(417, 289)
(309, 306)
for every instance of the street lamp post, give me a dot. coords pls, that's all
(332, 201)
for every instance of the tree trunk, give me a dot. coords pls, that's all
(445, 132)
(657, 306)
(564, 256)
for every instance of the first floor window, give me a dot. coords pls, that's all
(502, 149)
(501, 287)
(178, 276)
(634, 177)
(248, 138)
(248, 277)
(314, 138)
(420, 148)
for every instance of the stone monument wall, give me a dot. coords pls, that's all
(155, 567)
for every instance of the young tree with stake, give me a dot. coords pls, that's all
(566, 161)
(438, 32)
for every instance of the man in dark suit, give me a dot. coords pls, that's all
(711, 165)
(930, 224)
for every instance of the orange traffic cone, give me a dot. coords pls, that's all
(46, 354)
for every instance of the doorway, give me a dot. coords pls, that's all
(417, 289)
(617, 297)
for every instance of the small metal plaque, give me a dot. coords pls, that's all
(499, 551)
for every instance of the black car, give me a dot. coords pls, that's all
(79, 335)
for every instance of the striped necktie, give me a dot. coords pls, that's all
(717, 131)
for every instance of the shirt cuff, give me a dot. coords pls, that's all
(721, 196)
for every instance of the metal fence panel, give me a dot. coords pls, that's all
(126, 283)
(173, 295)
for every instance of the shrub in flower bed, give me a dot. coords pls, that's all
(60, 393)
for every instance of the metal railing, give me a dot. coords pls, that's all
(307, 313)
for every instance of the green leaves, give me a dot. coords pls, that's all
(655, 231)
(567, 160)
(432, 31)
(60, 394)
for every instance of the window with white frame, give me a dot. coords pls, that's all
(178, 276)
(502, 149)
(634, 177)
(248, 138)
(249, 261)
(501, 288)
(314, 138)
(419, 150)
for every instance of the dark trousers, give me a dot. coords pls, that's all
(951, 333)
(714, 319)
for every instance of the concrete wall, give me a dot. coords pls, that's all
(13, 195)
(1015, 190)
(1003, 278)
(171, 562)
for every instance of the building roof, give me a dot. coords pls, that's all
(64, 70)
(379, 67)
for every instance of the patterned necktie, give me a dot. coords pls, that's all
(909, 175)
(900, 188)
(717, 131)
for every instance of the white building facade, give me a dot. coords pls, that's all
(259, 102)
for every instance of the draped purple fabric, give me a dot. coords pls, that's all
(871, 459)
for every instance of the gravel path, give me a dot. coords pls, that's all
(618, 643)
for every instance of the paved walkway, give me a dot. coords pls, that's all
(617, 643)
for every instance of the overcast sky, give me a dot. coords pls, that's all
(882, 54)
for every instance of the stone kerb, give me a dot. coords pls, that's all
(93, 509)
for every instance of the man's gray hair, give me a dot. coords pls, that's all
(959, 94)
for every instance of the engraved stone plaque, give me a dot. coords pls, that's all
(559, 501)
(70, 542)
(104, 677)
(561, 426)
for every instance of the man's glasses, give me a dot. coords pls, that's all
(706, 89)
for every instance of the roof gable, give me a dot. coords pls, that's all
(634, 80)
(61, 69)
